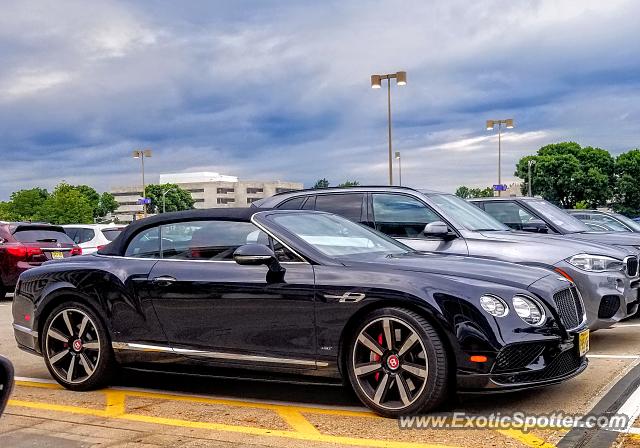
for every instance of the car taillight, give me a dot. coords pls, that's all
(76, 251)
(24, 252)
(101, 247)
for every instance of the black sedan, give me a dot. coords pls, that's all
(304, 293)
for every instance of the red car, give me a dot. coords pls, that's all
(26, 245)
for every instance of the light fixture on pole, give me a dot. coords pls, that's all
(164, 198)
(376, 83)
(530, 163)
(399, 168)
(141, 154)
(508, 124)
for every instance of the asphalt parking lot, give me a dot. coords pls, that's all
(144, 410)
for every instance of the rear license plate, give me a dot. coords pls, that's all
(583, 342)
(57, 255)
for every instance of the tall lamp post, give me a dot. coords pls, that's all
(508, 123)
(531, 162)
(141, 154)
(164, 198)
(399, 168)
(376, 83)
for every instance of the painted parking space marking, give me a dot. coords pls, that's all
(293, 415)
(596, 356)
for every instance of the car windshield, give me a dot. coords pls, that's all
(335, 236)
(558, 217)
(468, 215)
(628, 222)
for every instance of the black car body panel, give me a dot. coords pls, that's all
(162, 312)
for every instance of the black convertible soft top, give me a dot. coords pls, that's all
(119, 245)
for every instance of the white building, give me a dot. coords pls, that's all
(208, 190)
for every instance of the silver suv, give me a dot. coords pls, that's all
(607, 276)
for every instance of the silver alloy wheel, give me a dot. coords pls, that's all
(390, 363)
(72, 346)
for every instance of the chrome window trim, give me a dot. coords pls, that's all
(215, 355)
(26, 330)
(183, 261)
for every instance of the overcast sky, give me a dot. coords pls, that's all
(280, 90)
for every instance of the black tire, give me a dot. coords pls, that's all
(3, 291)
(422, 388)
(97, 362)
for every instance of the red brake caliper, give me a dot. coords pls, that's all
(377, 357)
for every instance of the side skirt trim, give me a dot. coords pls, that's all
(215, 355)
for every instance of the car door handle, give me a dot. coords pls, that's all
(163, 281)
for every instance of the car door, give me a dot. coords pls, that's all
(404, 218)
(213, 308)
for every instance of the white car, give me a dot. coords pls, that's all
(92, 237)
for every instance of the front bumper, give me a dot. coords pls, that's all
(527, 365)
(608, 296)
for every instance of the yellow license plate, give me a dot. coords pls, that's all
(583, 342)
(57, 255)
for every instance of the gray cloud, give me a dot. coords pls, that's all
(280, 89)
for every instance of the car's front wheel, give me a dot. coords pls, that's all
(397, 363)
(76, 347)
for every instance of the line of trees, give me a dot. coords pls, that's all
(324, 183)
(66, 204)
(585, 177)
(572, 176)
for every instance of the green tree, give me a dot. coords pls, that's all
(92, 196)
(176, 199)
(25, 205)
(566, 173)
(349, 183)
(106, 205)
(467, 193)
(321, 183)
(66, 205)
(627, 186)
(463, 192)
(6, 212)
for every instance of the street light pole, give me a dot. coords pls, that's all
(531, 162)
(399, 168)
(376, 83)
(141, 154)
(508, 124)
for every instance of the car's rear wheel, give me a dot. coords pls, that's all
(3, 291)
(397, 363)
(76, 347)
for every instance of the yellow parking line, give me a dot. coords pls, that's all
(115, 403)
(526, 438)
(297, 421)
(292, 415)
(58, 407)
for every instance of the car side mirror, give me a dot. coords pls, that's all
(255, 255)
(436, 228)
(6, 382)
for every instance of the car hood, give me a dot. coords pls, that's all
(477, 268)
(626, 239)
(536, 248)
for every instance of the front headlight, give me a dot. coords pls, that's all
(528, 310)
(494, 305)
(596, 263)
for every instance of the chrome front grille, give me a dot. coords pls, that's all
(570, 307)
(631, 266)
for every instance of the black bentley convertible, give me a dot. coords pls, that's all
(304, 293)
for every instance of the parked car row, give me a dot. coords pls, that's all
(407, 296)
(603, 266)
